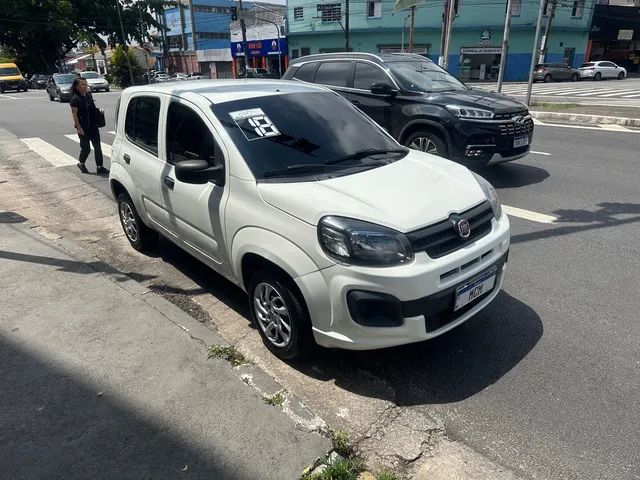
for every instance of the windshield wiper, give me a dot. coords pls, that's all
(298, 168)
(369, 152)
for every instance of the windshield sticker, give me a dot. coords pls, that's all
(254, 124)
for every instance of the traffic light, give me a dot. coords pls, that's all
(234, 13)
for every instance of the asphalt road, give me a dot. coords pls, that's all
(544, 381)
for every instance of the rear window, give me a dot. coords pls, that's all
(334, 73)
(65, 79)
(306, 72)
(587, 65)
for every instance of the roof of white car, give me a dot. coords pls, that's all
(220, 91)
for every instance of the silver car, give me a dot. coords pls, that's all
(602, 69)
(96, 81)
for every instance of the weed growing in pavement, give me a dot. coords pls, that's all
(341, 444)
(346, 469)
(275, 400)
(386, 475)
(228, 353)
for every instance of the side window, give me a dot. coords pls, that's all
(334, 73)
(366, 75)
(141, 123)
(188, 137)
(306, 72)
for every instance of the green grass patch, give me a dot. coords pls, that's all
(275, 400)
(385, 475)
(341, 470)
(228, 353)
(341, 443)
(555, 106)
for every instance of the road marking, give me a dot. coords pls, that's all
(50, 153)
(630, 96)
(538, 122)
(601, 128)
(616, 128)
(11, 97)
(106, 149)
(539, 153)
(619, 92)
(529, 215)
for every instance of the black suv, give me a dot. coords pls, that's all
(423, 106)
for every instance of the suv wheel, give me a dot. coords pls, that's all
(139, 235)
(279, 315)
(547, 78)
(427, 142)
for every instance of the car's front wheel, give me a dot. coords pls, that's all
(574, 77)
(279, 314)
(139, 235)
(621, 76)
(427, 142)
(597, 76)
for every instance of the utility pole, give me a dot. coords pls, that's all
(443, 33)
(243, 27)
(547, 30)
(505, 45)
(346, 25)
(413, 19)
(193, 30)
(145, 47)
(447, 43)
(183, 35)
(124, 43)
(534, 54)
(404, 25)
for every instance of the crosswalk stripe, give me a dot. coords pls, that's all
(631, 96)
(619, 92)
(106, 149)
(53, 155)
(529, 215)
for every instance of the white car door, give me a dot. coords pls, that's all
(195, 211)
(609, 70)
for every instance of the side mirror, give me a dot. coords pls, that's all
(199, 172)
(383, 89)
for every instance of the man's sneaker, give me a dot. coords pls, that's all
(102, 171)
(82, 168)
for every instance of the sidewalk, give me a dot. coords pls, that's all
(103, 380)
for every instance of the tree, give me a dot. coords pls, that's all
(41, 32)
(120, 68)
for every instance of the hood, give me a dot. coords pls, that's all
(493, 101)
(405, 195)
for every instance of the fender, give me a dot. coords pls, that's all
(429, 123)
(118, 173)
(273, 247)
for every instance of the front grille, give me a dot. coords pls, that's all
(513, 129)
(442, 238)
(510, 115)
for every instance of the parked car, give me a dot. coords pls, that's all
(336, 232)
(423, 106)
(38, 81)
(11, 78)
(195, 76)
(160, 78)
(600, 70)
(59, 86)
(96, 81)
(549, 72)
(179, 76)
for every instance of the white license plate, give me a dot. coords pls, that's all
(520, 141)
(469, 292)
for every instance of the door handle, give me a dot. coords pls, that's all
(127, 158)
(169, 182)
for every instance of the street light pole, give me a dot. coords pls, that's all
(278, 37)
(447, 43)
(404, 25)
(505, 46)
(534, 54)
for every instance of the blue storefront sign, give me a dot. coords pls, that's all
(260, 48)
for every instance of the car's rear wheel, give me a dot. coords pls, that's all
(427, 142)
(140, 236)
(279, 314)
(574, 77)
(547, 78)
(597, 76)
(621, 76)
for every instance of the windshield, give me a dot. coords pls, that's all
(6, 71)
(64, 79)
(424, 77)
(585, 65)
(300, 132)
(91, 75)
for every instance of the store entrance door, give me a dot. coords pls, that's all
(481, 63)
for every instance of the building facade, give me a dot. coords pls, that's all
(476, 40)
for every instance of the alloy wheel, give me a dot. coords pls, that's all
(272, 314)
(424, 144)
(129, 222)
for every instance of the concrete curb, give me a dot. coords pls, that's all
(584, 119)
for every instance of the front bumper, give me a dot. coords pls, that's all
(423, 289)
(14, 84)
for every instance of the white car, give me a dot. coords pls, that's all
(600, 70)
(96, 81)
(337, 233)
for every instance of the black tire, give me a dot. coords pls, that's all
(575, 77)
(301, 342)
(597, 76)
(429, 142)
(143, 238)
(547, 78)
(621, 76)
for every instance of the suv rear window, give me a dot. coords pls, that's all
(334, 73)
(141, 123)
(306, 72)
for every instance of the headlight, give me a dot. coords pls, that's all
(469, 112)
(362, 243)
(491, 195)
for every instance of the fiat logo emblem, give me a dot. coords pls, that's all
(463, 228)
